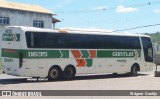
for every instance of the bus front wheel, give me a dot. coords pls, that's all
(134, 71)
(54, 74)
(69, 73)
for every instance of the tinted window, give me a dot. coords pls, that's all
(43, 40)
(118, 42)
(81, 41)
(148, 49)
(4, 20)
(39, 24)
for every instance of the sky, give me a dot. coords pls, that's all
(104, 14)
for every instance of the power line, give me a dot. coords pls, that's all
(118, 31)
(145, 4)
(137, 27)
(109, 9)
(80, 11)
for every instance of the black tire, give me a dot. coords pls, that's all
(134, 71)
(54, 74)
(115, 74)
(69, 73)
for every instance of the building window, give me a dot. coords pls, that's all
(39, 24)
(4, 20)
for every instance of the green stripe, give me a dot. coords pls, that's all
(89, 62)
(85, 54)
(113, 54)
(65, 53)
(36, 53)
(43, 54)
(13, 54)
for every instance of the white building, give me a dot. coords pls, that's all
(18, 14)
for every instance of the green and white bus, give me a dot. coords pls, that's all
(34, 52)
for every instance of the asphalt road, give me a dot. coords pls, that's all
(145, 81)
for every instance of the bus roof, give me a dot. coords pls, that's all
(34, 29)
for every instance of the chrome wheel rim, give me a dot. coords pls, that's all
(54, 73)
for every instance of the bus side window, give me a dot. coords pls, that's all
(32, 40)
(28, 40)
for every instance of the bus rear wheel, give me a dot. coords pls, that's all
(54, 74)
(69, 73)
(134, 71)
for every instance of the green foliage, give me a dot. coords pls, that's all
(155, 37)
(158, 53)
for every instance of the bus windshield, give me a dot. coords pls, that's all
(148, 49)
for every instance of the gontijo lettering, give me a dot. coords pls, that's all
(11, 37)
(123, 54)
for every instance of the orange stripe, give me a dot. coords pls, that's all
(81, 62)
(92, 53)
(9, 51)
(76, 53)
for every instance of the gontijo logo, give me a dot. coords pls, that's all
(130, 54)
(11, 37)
(126, 54)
